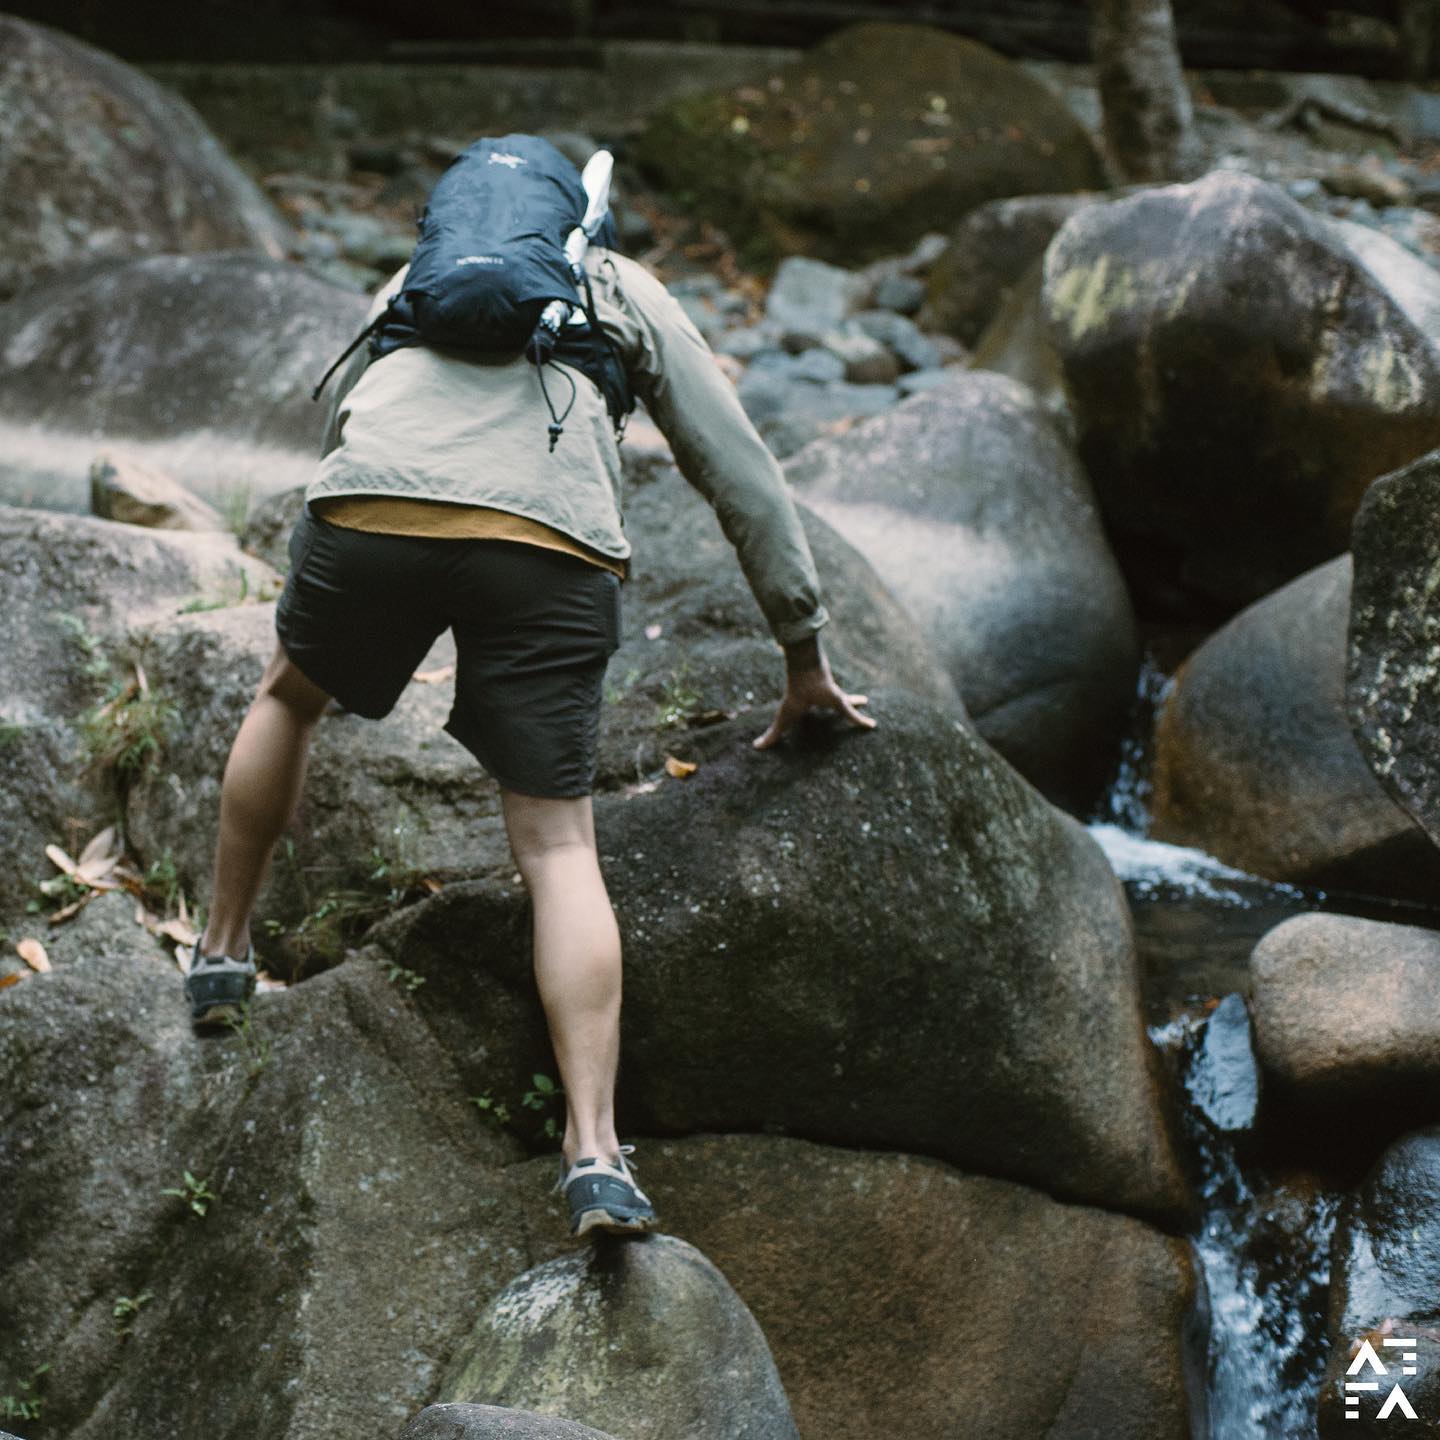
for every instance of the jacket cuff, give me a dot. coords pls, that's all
(794, 630)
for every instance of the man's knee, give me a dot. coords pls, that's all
(284, 682)
(543, 830)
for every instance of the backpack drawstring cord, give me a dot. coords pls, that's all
(557, 422)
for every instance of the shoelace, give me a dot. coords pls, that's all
(625, 1167)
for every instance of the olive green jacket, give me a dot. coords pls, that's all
(429, 425)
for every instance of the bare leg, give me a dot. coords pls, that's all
(262, 785)
(577, 960)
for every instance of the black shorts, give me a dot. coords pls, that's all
(534, 630)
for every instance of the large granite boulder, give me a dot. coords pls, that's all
(99, 161)
(880, 134)
(1348, 1010)
(200, 366)
(972, 507)
(677, 1353)
(884, 939)
(1393, 671)
(1255, 763)
(357, 1208)
(695, 651)
(1240, 370)
(361, 1215)
(927, 1281)
(1385, 1275)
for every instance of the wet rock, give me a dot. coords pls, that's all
(879, 134)
(97, 160)
(972, 507)
(200, 367)
(328, 1120)
(1240, 370)
(989, 253)
(678, 1351)
(926, 1281)
(809, 929)
(122, 490)
(492, 1422)
(1385, 1274)
(1256, 765)
(1394, 632)
(1349, 1009)
(1223, 1079)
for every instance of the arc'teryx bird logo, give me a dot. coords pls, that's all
(1395, 1400)
(500, 157)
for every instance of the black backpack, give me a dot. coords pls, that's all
(490, 259)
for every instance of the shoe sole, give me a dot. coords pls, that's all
(603, 1220)
(225, 1014)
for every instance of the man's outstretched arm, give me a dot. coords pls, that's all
(721, 455)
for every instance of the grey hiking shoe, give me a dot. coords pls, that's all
(219, 987)
(602, 1196)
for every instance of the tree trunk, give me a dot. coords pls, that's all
(1149, 128)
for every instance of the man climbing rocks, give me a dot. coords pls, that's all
(440, 504)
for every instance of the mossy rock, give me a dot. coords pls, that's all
(882, 133)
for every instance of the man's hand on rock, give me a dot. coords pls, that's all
(809, 685)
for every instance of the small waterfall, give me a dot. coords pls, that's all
(1126, 802)
(1263, 1246)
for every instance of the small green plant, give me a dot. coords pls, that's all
(195, 1193)
(162, 879)
(127, 1312)
(94, 663)
(544, 1095)
(11, 734)
(412, 981)
(28, 1403)
(678, 697)
(236, 509)
(128, 732)
(257, 1048)
(56, 893)
(497, 1110)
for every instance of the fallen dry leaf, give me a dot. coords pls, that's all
(60, 860)
(11, 979)
(434, 677)
(72, 910)
(99, 857)
(32, 952)
(176, 930)
(679, 769)
(431, 884)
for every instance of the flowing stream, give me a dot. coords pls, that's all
(1262, 1247)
